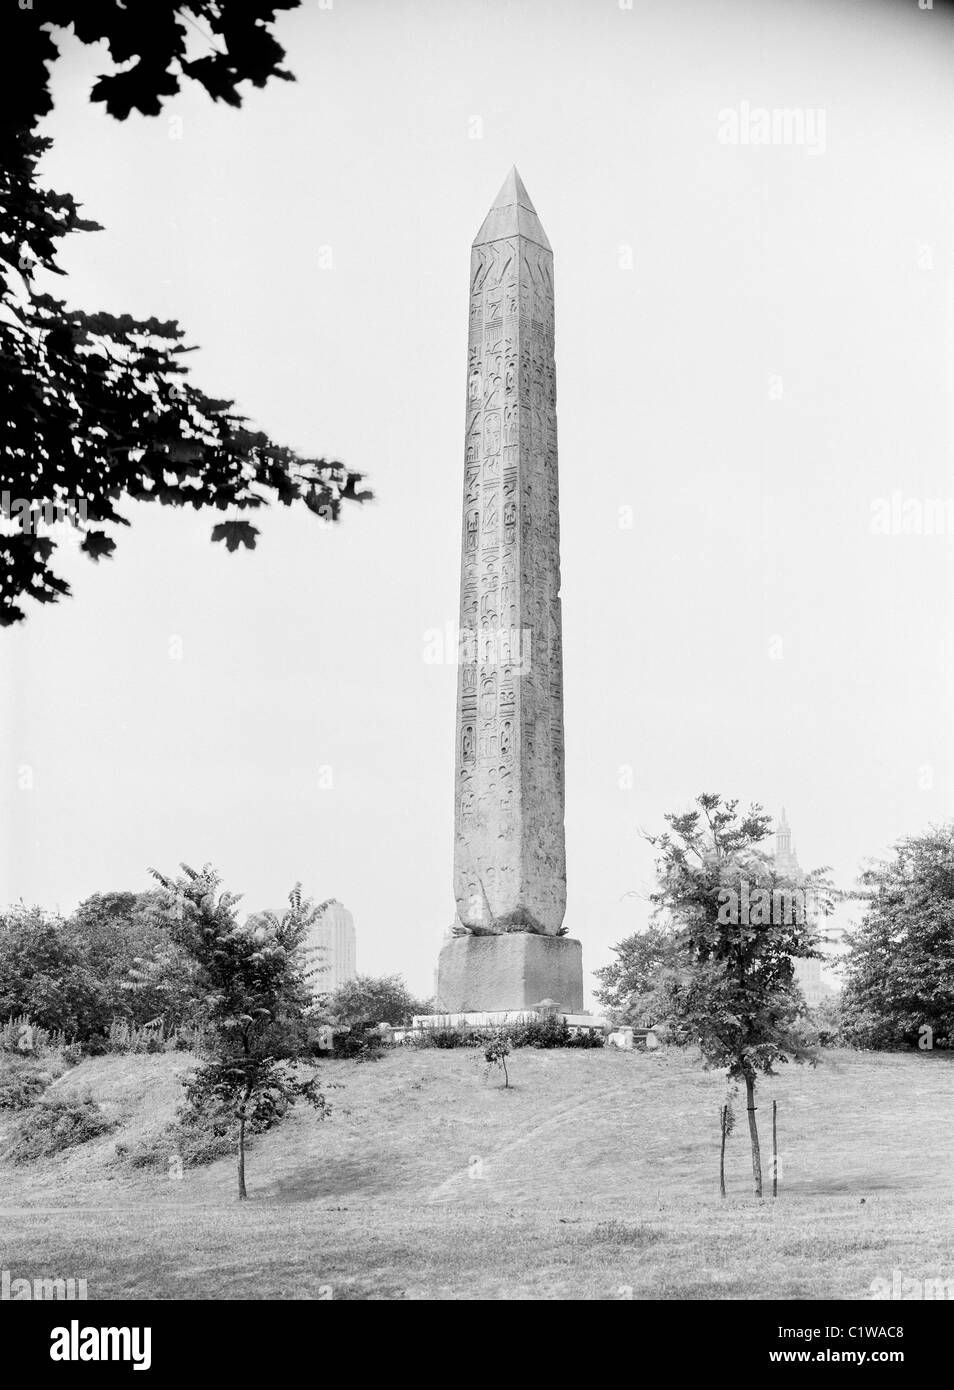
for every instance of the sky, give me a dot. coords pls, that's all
(755, 363)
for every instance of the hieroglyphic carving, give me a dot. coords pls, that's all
(509, 860)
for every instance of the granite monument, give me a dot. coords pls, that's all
(508, 950)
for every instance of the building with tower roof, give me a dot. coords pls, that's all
(807, 971)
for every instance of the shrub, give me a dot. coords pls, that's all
(127, 1037)
(36, 1059)
(20, 1035)
(587, 1037)
(57, 1124)
(194, 1144)
(552, 1030)
(361, 1044)
(200, 1136)
(447, 1037)
(21, 1083)
(450, 1036)
(186, 1038)
(549, 1030)
(826, 1019)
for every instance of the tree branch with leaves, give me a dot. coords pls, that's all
(98, 407)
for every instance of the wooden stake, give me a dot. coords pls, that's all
(774, 1148)
(723, 1117)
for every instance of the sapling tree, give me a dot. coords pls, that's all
(496, 1053)
(726, 1126)
(741, 925)
(253, 982)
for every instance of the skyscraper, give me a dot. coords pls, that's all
(334, 935)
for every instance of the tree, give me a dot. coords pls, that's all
(114, 926)
(496, 1053)
(124, 938)
(253, 980)
(97, 407)
(899, 969)
(45, 972)
(161, 987)
(112, 958)
(736, 997)
(308, 916)
(367, 999)
(628, 984)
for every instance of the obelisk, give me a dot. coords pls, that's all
(507, 951)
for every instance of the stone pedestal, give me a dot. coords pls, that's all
(512, 971)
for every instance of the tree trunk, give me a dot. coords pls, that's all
(753, 1131)
(506, 1077)
(242, 1195)
(242, 1115)
(722, 1121)
(774, 1148)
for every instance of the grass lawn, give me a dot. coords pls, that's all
(595, 1176)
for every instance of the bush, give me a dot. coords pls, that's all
(361, 1044)
(20, 1035)
(200, 1136)
(446, 1037)
(55, 1125)
(195, 1144)
(550, 1030)
(22, 1083)
(827, 1021)
(186, 1038)
(127, 1037)
(30, 1059)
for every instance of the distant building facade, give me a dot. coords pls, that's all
(807, 972)
(333, 935)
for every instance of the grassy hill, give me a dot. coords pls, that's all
(595, 1176)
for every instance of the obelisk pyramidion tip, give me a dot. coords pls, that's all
(512, 214)
(513, 191)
